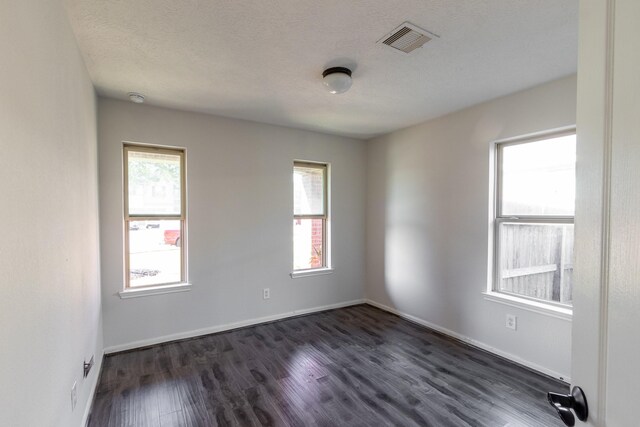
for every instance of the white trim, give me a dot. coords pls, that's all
(97, 369)
(227, 327)
(532, 136)
(155, 290)
(498, 218)
(603, 333)
(471, 341)
(327, 219)
(564, 313)
(307, 273)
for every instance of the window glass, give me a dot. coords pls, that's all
(308, 190)
(154, 216)
(309, 216)
(154, 183)
(538, 178)
(534, 220)
(308, 243)
(536, 260)
(154, 252)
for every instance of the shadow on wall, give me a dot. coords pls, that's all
(428, 203)
(407, 263)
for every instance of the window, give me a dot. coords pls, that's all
(154, 216)
(535, 200)
(310, 249)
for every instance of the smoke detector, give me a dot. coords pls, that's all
(136, 98)
(407, 38)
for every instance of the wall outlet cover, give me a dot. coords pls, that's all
(266, 293)
(511, 321)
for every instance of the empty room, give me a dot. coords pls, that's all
(319, 213)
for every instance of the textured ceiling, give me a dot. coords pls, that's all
(262, 60)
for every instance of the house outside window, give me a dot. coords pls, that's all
(534, 218)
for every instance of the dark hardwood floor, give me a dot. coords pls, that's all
(357, 366)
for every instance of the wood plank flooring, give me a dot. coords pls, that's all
(357, 366)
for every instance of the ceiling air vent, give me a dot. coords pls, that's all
(407, 38)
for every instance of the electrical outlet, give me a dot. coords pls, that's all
(74, 396)
(266, 293)
(512, 321)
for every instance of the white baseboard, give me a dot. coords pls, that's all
(470, 341)
(92, 392)
(226, 327)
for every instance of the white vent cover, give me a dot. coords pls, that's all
(407, 38)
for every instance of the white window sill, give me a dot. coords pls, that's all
(307, 273)
(155, 290)
(529, 305)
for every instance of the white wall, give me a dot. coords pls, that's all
(239, 184)
(50, 318)
(428, 218)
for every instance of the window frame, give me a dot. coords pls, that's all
(499, 218)
(128, 218)
(326, 259)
